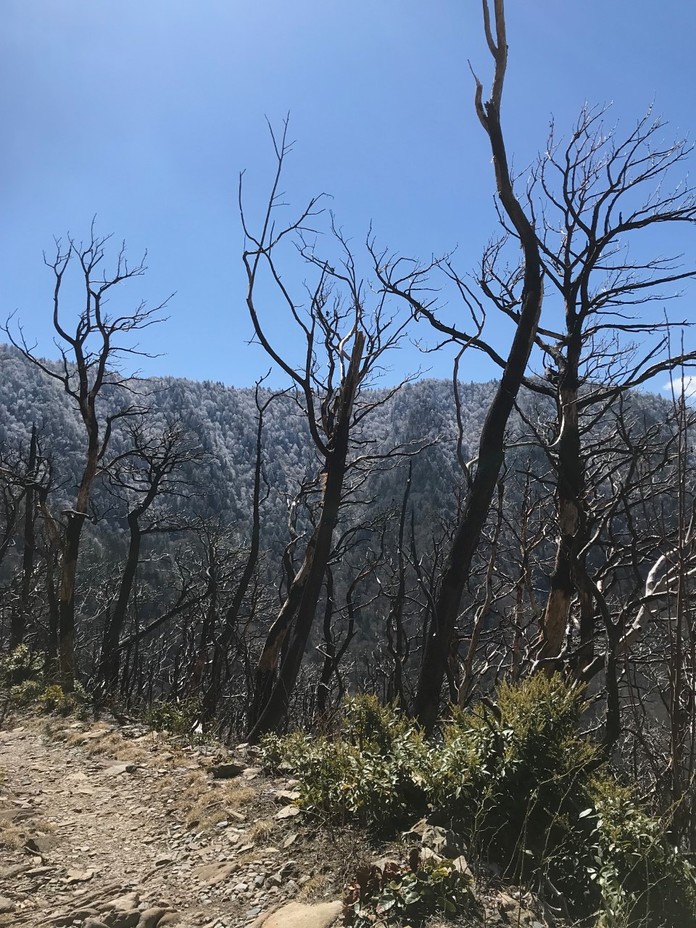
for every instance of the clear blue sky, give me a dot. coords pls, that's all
(143, 112)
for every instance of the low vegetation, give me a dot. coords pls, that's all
(24, 682)
(514, 780)
(525, 790)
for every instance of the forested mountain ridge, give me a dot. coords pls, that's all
(222, 422)
(394, 525)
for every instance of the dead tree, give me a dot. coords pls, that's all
(409, 283)
(230, 632)
(151, 477)
(596, 199)
(90, 351)
(344, 341)
(22, 473)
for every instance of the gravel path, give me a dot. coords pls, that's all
(98, 829)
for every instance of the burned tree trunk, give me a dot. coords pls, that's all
(491, 452)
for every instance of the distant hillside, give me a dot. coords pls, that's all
(222, 420)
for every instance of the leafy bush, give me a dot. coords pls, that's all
(374, 771)
(20, 665)
(22, 676)
(176, 718)
(513, 779)
(370, 726)
(523, 787)
(54, 699)
(643, 880)
(23, 679)
(413, 893)
(26, 693)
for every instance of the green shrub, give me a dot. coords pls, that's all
(370, 726)
(54, 699)
(20, 665)
(22, 676)
(400, 894)
(512, 779)
(26, 693)
(643, 880)
(178, 718)
(374, 771)
(519, 783)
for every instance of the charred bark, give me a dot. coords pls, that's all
(491, 453)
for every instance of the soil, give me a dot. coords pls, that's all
(105, 825)
(101, 823)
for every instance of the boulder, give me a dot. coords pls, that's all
(301, 915)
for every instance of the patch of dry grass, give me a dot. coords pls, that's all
(238, 795)
(99, 741)
(12, 836)
(206, 813)
(118, 746)
(261, 830)
(205, 804)
(317, 887)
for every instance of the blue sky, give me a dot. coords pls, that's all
(143, 112)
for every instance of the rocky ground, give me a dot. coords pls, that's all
(106, 825)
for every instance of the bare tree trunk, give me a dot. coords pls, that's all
(329, 664)
(396, 636)
(66, 603)
(570, 486)
(229, 630)
(110, 660)
(275, 679)
(19, 617)
(466, 681)
(492, 444)
(71, 550)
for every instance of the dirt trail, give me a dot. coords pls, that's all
(98, 829)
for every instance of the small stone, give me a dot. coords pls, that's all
(80, 876)
(125, 903)
(151, 917)
(38, 871)
(9, 873)
(299, 915)
(117, 769)
(288, 868)
(288, 812)
(87, 912)
(250, 773)
(6, 905)
(286, 795)
(212, 874)
(462, 866)
(124, 919)
(171, 918)
(226, 771)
